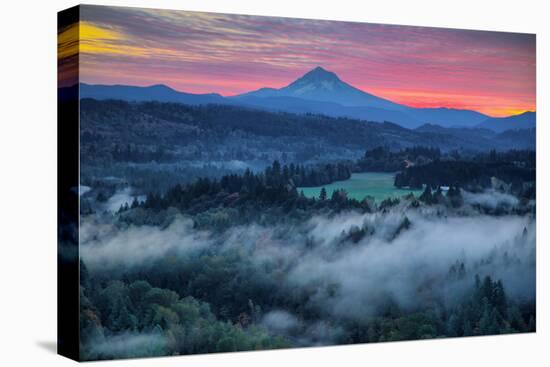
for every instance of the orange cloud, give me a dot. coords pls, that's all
(491, 105)
(67, 41)
(99, 40)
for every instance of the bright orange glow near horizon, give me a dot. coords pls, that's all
(489, 72)
(426, 99)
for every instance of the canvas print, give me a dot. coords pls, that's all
(236, 183)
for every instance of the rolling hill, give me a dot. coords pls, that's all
(526, 120)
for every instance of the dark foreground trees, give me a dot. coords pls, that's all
(484, 311)
(126, 320)
(133, 318)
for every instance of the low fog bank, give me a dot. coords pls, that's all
(415, 265)
(301, 332)
(126, 345)
(120, 198)
(106, 247)
(350, 265)
(491, 199)
(110, 197)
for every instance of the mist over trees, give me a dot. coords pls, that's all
(247, 262)
(345, 277)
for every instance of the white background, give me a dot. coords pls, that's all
(28, 182)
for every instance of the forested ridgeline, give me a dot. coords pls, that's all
(105, 123)
(512, 168)
(229, 132)
(271, 195)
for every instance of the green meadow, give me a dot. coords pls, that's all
(379, 185)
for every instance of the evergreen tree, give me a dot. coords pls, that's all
(426, 196)
(323, 194)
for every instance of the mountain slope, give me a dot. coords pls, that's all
(449, 117)
(298, 105)
(325, 86)
(526, 120)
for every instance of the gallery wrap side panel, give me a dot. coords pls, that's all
(68, 184)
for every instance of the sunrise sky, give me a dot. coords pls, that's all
(490, 72)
